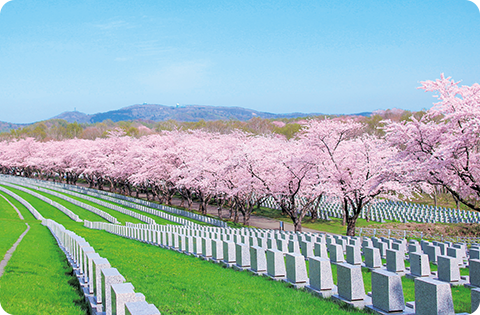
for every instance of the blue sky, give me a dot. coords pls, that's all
(276, 56)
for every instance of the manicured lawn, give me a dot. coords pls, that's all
(39, 205)
(37, 279)
(11, 227)
(177, 283)
(331, 226)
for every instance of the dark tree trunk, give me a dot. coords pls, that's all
(351, 227)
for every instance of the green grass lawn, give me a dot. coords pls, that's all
(39, 204)
(330, 226)
(177, 283)
(11, 227)
(156, 218)
(37, 279)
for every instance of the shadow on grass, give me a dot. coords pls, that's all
(73, 282)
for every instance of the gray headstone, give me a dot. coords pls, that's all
(229, 252)
(474, 272)
(455, 253)
(320, 273)
(109, 276)
(275, 264)
(354, 257)
(475, 298)
(121, 294)
(336, 253)
(395, 261)
(419, 265)
(206, 247)
(433, 252)
(321, 250)
(296, 268)
(98, 265)
(474, 253)
(387, 291)
(242, 255)
(448, 269)
(217, 249)
(140, 308)
(432, 297)
(350, 282)
(258, 259)
(306, 249)
(372, 257)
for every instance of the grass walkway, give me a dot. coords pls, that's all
(11, 227)
(37, 279)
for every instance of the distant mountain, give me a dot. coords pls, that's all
(6, 127)
(154, 112)
(74, 116)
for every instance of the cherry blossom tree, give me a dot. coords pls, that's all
(356, 167)
(283, 169)
(442, 147)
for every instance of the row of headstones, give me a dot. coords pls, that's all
(420, 255)
(116, 198)
(290, 265)
(133, 214)
(141, 217)
(104, 287)
(90, 208)
(68, 212)
(400, 212)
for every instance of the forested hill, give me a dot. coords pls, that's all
(157, 113)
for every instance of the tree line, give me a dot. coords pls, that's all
(335, 158)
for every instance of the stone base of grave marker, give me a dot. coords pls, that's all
(360, 304)
(322, 293)
(407, 311)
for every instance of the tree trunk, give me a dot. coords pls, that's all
(237, 217)
(367, 216)
(297, 225)
(351, 227)
(246, 218)
(345, 212)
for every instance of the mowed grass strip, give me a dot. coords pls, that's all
(156, 218)
(179, 284)
(39, 205)
(11, 227)
(38, 279)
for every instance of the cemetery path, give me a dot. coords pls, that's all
(19, 214)
(255, 220)
(9, 253)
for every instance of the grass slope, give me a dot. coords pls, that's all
(39, 205)
(178, 284)
(37, 279)
(11, 227)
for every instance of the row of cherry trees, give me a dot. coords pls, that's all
(328, 158)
